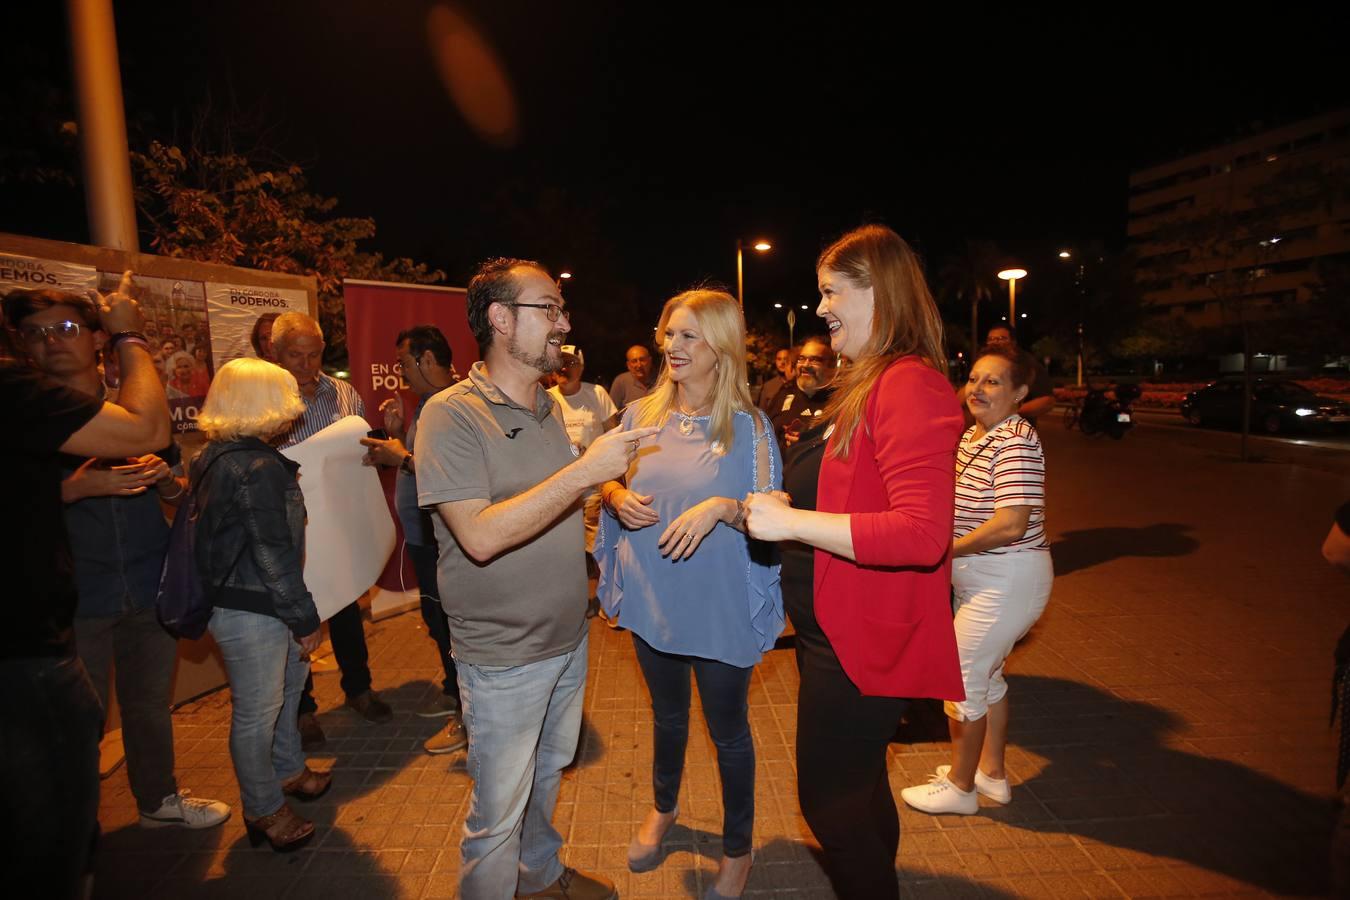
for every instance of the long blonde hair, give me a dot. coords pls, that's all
(905, 320)
(719, 318)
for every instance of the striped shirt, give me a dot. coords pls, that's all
(1004, 468)
(334, 400)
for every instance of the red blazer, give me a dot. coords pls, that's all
(888, 615)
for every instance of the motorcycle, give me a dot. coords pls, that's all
(1100, 414)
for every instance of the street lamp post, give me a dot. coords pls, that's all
(1080, 274)
(1011, 276)
(761, 247)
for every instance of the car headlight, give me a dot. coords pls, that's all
(1303, 411)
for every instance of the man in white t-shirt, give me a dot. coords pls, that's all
(587, 412)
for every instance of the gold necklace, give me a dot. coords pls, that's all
(686, 419)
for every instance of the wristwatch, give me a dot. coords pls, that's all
(405, 465)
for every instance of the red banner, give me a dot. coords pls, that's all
(376, 312)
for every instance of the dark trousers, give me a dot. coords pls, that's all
(49, 733)
(142, 656)
(433, 614)
(724, 690)
(842, 738)
(347, 631)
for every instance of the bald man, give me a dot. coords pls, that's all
(636, 383)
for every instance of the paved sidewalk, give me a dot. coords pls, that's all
(1169, 728)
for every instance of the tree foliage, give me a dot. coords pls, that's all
(965, 280)
(228, 207)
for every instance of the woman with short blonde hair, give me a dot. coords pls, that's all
(715, 617)
(250, 398)
(250, 541)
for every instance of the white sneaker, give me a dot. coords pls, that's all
(188, 811)
(995, 789)
(941, 796)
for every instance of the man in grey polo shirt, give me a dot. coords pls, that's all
(494, 459)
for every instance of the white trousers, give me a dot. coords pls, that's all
(998, 598)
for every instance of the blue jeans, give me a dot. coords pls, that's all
(49, 728)
(724, 690)
(523, 724)
(262, 660)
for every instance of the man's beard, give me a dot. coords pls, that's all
(811, 382)
(540, 363)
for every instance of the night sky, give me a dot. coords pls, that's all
(652, 136)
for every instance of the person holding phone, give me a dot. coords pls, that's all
(426, 361)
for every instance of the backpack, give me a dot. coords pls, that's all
(183, 607)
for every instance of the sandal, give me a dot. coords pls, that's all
(308, 785)
(283, 829)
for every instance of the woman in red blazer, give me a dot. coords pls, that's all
(880, 627)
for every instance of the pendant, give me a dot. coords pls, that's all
(686, 425)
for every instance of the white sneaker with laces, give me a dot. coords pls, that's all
(187, 811)
(996, 789)
(941, 796)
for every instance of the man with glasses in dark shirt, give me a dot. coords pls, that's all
(803, 399)
(118, 536)
(52, 718)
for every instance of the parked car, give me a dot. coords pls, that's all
(1276, 406)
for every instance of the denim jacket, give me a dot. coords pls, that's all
(250, 536)
(118, 544)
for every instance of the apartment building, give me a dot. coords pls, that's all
(1239, 230)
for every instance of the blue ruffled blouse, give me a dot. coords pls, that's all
(722, 603)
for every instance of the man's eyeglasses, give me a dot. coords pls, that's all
(36, 334)
(552, 310)
(813, 360)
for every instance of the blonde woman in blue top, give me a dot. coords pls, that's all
(715, 616)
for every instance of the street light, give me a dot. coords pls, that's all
(761, 246)
(1011, 276)
(1078, 283)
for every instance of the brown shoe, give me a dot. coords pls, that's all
(371, 707)
(283, 829)
(574, 885)
(308, 785)
(311, 735)
(449, 739)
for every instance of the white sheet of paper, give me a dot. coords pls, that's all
(350, 533)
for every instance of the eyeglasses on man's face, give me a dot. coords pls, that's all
(36, 334)
(552, 310)
(805, 360)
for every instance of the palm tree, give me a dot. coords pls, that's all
(971, 276)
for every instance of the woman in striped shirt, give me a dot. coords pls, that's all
(1001, 575)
